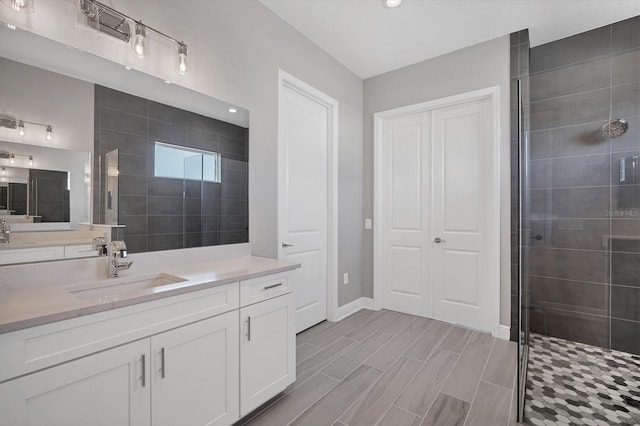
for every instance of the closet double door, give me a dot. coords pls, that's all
(437, 168)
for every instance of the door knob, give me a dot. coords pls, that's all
(439, 240)
(285, 245)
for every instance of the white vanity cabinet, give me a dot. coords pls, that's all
(184, 376)
(205, 357)
(267, 344)
(194, 373)
(107, 388)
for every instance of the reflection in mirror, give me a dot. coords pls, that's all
(51, 188)
(181, 176)
(13, 192)
(148, 211)
(111, 192)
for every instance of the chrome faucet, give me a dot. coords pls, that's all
(5, 231)
(116, 251)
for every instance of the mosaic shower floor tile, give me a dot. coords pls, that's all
(572, 383)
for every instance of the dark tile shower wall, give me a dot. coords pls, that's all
(164, 213)
(519, 59)
(585, 268)
(49, 195)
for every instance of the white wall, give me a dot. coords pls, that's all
(236, 49)
(476, 67)
(32, 94)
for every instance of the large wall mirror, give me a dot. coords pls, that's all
(156, 164)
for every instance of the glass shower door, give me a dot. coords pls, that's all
(524, 235)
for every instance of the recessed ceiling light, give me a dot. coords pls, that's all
(233, 110)
(391, 3)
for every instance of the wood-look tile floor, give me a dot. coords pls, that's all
(388, 368)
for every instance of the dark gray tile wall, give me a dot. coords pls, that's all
(519, 73)
(49, 196)
(162, 213)
(585, 269)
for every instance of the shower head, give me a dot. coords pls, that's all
(614, 128)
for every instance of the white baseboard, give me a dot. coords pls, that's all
(504, 332)
(353, 307)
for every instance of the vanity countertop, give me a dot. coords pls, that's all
(36, 305)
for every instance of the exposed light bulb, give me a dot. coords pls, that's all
(391, 3)
(18, 5)
(21, 128)
(31, 160)
(233, 110)
(183, 61)
(168, 81)
(13, 158)
(139, 43)
(21, 6)
(49, 132)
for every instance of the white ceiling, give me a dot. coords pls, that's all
(370, 39)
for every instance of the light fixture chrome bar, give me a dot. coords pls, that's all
(137, 21)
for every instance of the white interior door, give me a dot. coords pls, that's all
(462, 170)
(438, 200)
(303, 200)
(406, 205)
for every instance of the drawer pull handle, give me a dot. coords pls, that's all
(144, 370)
(248, 329)
(272, 286)
(162, 362)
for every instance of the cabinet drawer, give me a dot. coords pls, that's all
(35, 254)
(258, 289)
(80, 250)
(35, 348)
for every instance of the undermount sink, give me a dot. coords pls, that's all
(116, 288)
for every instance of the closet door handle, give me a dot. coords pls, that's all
(439, 240)
(248, 329)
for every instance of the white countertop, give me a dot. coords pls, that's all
(41, 304)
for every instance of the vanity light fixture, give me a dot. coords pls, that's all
(13, 123)
(11, 27)
(390, 4)
(109, 21)
(233, 110)
(11, 156)
(24, 6)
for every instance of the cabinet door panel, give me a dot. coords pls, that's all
(267, 350)
(199, 382)
(101, 389)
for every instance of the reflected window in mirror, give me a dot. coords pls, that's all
(177, 162)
